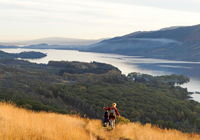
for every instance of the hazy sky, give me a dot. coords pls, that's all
(91, 19)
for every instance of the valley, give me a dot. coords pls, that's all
(80, 87)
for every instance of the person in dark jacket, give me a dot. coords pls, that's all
(106, 119)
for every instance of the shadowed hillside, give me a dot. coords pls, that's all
(181, 43)
(50, 126)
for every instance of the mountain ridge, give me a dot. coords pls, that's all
(181, 32)
(181, 43)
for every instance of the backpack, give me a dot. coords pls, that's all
(112, 112)
(106, 114)
(106, 118)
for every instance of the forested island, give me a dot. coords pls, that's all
(169, 79)
(78, 87)
(25, 55)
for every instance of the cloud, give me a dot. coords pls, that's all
(90, 11)
(58, 10)
(100, 18)
(182, 5)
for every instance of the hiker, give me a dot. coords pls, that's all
(106, 119)
(112, 116)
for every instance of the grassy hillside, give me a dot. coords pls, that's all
(41, 87)
(50, 126)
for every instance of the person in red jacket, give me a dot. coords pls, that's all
(112, 110)
(112, 115)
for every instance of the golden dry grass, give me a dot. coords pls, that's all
(136, 131)
(21, 124)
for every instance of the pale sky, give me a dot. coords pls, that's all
(91, 19)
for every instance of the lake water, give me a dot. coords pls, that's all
(127, 64)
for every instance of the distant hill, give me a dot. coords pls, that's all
(8, 46)
(46, 46)
(59, 47)
(177, 43)
(170, 28)
(183, 34)
(61, 41)
(52, 43)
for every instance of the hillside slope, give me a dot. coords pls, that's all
(181, 43)
(51, 126)
(182, 34)
(62, 86)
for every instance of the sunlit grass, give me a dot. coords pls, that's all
(18, 124)
(21, 124)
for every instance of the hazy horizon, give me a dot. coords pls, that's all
(74, 39)
(23, 20)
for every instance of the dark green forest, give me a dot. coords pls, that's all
(85, 88)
